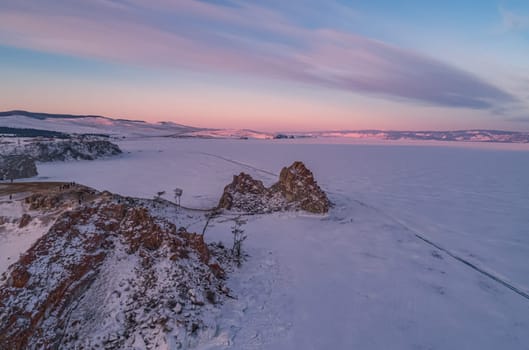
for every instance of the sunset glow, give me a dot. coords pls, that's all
(274, 66)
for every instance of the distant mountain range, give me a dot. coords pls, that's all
(456, 135)
(91, 124)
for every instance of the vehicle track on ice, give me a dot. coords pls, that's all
(416, 233)
(453, 255)
(239, 163)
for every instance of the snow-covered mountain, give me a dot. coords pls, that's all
(80, 124)
(230, 134)
(457, 135)
(72, 124)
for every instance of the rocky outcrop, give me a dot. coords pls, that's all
(109, 274)
(296, 189)
(17, 167)
(245, 193)
(49, 150)
(24, 220)
(74, 149)
(64, 195)
(296, 183)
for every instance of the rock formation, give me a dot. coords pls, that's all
(49, 150)
(296, 189)
(74, 149)
(110, 273)
(17, 167)
(297, 185)
(17, 161)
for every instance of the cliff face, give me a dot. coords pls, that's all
(17, 161)
(109, 274)
(59, 150)
(71, 150)
(17, 167)
(296, 189)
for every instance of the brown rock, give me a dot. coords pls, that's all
(67, 259)
(196, 242)
(24, 220)
(297, 184)
(153, 240)
(242, 183)
(296, 189)
(217, 270)
(19, 276)
(42, 201)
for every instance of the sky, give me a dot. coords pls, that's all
(272, 65)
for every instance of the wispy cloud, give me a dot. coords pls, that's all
(241, 38)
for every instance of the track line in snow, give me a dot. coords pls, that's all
(239, 163)
(418, 235)
(476, 268)
(473, 266)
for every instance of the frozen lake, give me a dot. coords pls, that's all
(358, 277)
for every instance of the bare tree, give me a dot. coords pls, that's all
(177, 195)
(238, 238)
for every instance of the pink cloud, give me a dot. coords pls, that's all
(247, 39)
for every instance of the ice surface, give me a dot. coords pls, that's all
(358, 277)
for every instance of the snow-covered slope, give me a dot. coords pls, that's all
(104, 271)
(95, 125)
(72, 124)
(231, 134)
(425, 248)
(459, 135)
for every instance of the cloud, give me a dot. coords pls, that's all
(240, 38)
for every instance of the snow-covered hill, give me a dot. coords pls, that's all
(103, 271)
(72, 124)
(458, 135)
(91, 125)
(230, 134)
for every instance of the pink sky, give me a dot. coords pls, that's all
(244, 65)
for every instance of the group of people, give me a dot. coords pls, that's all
(67, 186)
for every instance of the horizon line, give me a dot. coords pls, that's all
(46, 115)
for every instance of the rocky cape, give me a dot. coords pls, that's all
(18, 156)
(111, 273)
(295, 190)
(61, 150)
(17, 167)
